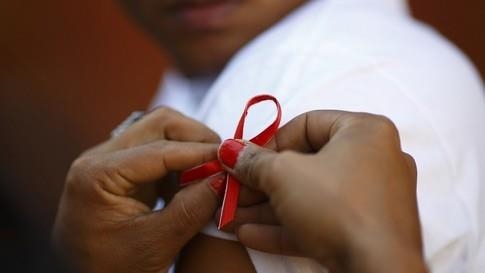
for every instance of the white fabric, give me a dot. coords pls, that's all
(371, 56)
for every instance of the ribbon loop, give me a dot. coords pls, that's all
(231, 195)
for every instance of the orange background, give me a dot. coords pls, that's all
(70, 71)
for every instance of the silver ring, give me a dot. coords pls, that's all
(132, 118)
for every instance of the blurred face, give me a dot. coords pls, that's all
(202, 35)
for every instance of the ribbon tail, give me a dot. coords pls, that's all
(229, 204)
(200, 172)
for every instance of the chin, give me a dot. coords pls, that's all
(195, 68)
(204, 60)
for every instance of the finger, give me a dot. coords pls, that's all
(259, 214)
(161, 123)
(272, 239)
(411, 163)
(119, 173)
(249, 197)
(189, 211)
(258, 168)
(166, 123)
(307, 132)
(276, 240)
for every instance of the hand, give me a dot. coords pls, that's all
(340, 190)
(162, 123)
(102, 227)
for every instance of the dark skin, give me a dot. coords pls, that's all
(198, 49)
(104, 221)
(199, 43)
(329, 160)
(103, 226)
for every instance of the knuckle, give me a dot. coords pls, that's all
(174, 125)
(412, 166)
(78, 176)
(384, 121)
(80, 169)
(380, 127)
(162, 112)
(166, 122)
(165, 115)
(384, 126)
(87, 173)
(410, 159)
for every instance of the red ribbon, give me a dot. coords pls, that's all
(231, 195)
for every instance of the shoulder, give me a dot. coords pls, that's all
(382, 53)
(385, 63)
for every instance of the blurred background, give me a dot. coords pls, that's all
(71, 71)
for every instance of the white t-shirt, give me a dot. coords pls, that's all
(369, 56)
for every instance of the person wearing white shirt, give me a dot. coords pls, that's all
(354, 55)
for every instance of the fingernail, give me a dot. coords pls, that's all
(229, 151)
(218, 185)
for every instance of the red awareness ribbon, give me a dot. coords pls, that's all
(231, 195)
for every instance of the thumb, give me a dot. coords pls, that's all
(252, 165)
(190, 210)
